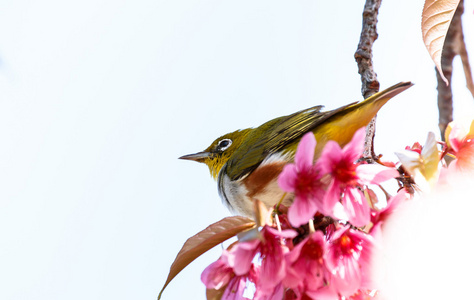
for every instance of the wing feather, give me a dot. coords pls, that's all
(280, 132)
(284, 132)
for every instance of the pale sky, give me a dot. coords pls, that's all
(99, 99)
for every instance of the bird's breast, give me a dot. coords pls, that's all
(260, 184)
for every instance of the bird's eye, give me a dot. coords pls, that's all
(224, 144)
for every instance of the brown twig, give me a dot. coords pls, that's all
(450, 50)
(454, 45)
(463, 53)
(466, 66)
(363, 57)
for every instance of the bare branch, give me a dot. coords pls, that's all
(363, 56)
(465, 64)
(451, 48)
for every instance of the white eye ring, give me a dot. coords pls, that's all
(224, 144)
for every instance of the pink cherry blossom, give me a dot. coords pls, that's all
(306, 270)
(461, 145)
(217, 274)
(220, 275)
(378, 217)
(270, 250)
(324, 293)
(348, 260)
(417, 147)
(347, 175)
(271, 294)
(236, 288)
(303, 179)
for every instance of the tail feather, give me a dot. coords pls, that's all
(387, 94)
(342, 125)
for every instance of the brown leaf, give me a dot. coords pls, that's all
(215, 294)
(213, 235)
(437, 15)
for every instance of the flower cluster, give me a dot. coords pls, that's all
(427, 164)
(316, 248)
(336, 178)
(321, 247)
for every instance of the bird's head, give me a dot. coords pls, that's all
(220, 151)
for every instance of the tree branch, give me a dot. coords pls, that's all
(466, 66)
(452, 47)
(363, 57)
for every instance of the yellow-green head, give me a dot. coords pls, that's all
(219, 152)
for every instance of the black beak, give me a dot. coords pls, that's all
(199, 157)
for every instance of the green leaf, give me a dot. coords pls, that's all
(213, 235)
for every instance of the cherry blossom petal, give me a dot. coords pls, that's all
(241, 255)
(287, 178)
(301, 211)
(303, 179)
(272, 272)
(356, 207)
(392, 204)
(235, 289)
(293, 276)
(216, 275)
(375, 174)
(332, 196)
(354, 149)
(348, 259)
(324, 293)
(456, 135)
(330, 155)
(305, 266)
(347, 277)
(274, 294)
(305, 152)
(272, 252)
(286, 233)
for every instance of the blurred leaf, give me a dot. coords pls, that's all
(436, 17)
(213, 235)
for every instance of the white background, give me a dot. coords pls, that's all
(99, 98)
